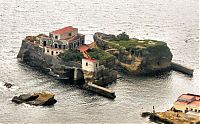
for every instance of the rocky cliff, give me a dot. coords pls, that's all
(136, 56)
(33, 55)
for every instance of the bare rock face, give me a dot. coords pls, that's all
(34, 56)
(170, 117)
(138, 59)
(43, 98)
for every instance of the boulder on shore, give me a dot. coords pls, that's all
(43, 98)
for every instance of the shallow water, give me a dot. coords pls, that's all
(175, 22)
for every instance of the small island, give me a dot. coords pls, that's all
(185, 110)
(64, 55)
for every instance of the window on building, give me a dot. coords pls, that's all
(63, 46)
(96, 65)
(82, 41)
(86, 64)
(47, 50)
(51, 52)
(56, 45)
(199, 111)
(56, 37)
(59, 46)
(70, 34)
(44, 43)
(191, 109)
(74, 45)
(56, 52)
(195, 110)
(50, 35)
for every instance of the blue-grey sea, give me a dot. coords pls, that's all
(172, 21)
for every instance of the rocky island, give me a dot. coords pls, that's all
(64, 55)
(135, 56)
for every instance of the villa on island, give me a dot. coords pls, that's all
(188, 103)
(63, 39)
(60, 40)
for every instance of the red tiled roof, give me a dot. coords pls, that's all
(64, 30)
(195, 103)
(195, 100)
(72, 39)
(186, 96)
(181, 102)
(83, 48)
(197, 97)
(90, 59)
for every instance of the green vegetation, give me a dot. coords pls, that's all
(116, 46)
(135, 44)
(138, 43)
(100, 54)
(71, 55)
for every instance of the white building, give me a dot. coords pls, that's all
(89, 64)
(52, 51)
(60, 40)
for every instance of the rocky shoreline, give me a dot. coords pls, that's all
(171, 117)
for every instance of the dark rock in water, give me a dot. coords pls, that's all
(50, 101)
(24, 97)
(8, 85)
(17, 100)
(157, 119)
(146, 114)
(43, 98)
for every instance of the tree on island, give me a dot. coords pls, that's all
(122, 36)
(71, 55)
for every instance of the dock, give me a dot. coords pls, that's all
(100, 90)
(181, 68)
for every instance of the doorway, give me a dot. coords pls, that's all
(56, 46)
(44, 43)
